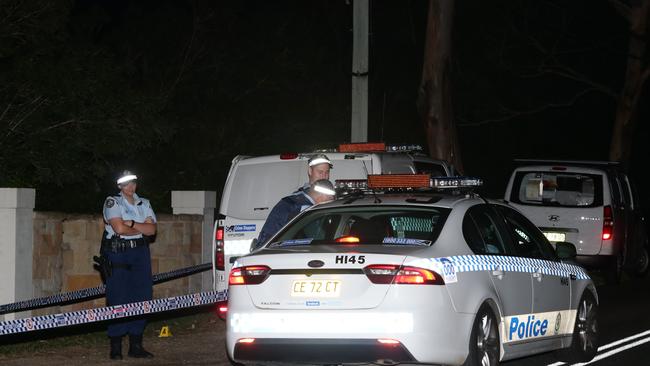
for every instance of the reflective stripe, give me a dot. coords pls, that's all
(474, 263)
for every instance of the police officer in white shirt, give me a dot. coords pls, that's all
(128, 219)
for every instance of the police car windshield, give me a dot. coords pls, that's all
(365, 225)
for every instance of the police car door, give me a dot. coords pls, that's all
(513, 287)
(550, 318)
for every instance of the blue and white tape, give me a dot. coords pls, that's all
(110, 312)
(93, 292)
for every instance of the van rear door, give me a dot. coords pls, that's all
(566, 205)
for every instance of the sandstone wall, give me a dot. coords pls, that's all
(64, 245)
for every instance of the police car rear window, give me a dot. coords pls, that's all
(563, 189)
(385, 225)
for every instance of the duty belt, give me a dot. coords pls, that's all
(116, 245)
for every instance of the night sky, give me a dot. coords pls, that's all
(175, 89)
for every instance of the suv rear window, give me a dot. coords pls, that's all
(563, 189)
(385, 225)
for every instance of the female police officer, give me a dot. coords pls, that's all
(128, 220)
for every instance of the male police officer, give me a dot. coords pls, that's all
(320, 191)
(128, 220)
(318, 167)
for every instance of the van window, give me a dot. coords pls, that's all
(558, 189)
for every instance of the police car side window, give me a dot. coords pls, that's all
(528, 240)
(481, 232)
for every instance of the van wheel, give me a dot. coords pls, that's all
(642, 263)
(484, 340)
(614, 270)
(584, 342)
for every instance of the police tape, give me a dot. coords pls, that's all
(110, 312)
(93, 292)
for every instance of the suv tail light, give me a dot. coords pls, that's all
(219, 259)
(608, 223)
(249, 275)
(390, 273)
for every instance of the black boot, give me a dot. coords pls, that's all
(116, 348)
(135, 347)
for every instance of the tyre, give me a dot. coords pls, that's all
(484, 340)
(584, 342)
(642, 263)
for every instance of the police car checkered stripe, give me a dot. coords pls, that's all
(93, 292)
(110, 312)
(473, 263)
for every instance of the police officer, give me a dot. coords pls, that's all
(128, 219)
(318, 167)
(320, 191)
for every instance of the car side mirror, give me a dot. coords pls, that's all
(565, 250)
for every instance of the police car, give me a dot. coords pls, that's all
(256, 183)
(410, 269)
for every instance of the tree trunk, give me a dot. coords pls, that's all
(434, 94)
(635, 76)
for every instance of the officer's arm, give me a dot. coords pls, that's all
(122, 227)
(146, 228)
(278, 217)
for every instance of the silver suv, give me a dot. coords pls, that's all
(591, 204)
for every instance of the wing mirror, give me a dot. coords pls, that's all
(565, 250)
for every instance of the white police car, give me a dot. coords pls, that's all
(442, 277)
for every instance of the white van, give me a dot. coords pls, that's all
(588, 203)
(255, 184)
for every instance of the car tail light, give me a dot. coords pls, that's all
(558, 168)
(388, 342)
(389, 273)
(222, 309)
(246, 340)
(608, 223)
(219, 259)
(249, 275)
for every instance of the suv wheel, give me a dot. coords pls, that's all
(642, 262)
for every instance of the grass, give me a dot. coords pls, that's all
(94, 334)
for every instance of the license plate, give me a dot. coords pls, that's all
(555, 237)
(316, 288)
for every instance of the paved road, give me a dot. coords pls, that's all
(624, 312)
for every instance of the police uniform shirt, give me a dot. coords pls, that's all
(119, 206)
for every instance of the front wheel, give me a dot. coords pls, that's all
(484, 340)
(584, 343)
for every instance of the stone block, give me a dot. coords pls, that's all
(80, 281)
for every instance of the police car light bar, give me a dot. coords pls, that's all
(362, 147)
(399, 181)
(405, 147)
(455, 182)
(408, 182)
